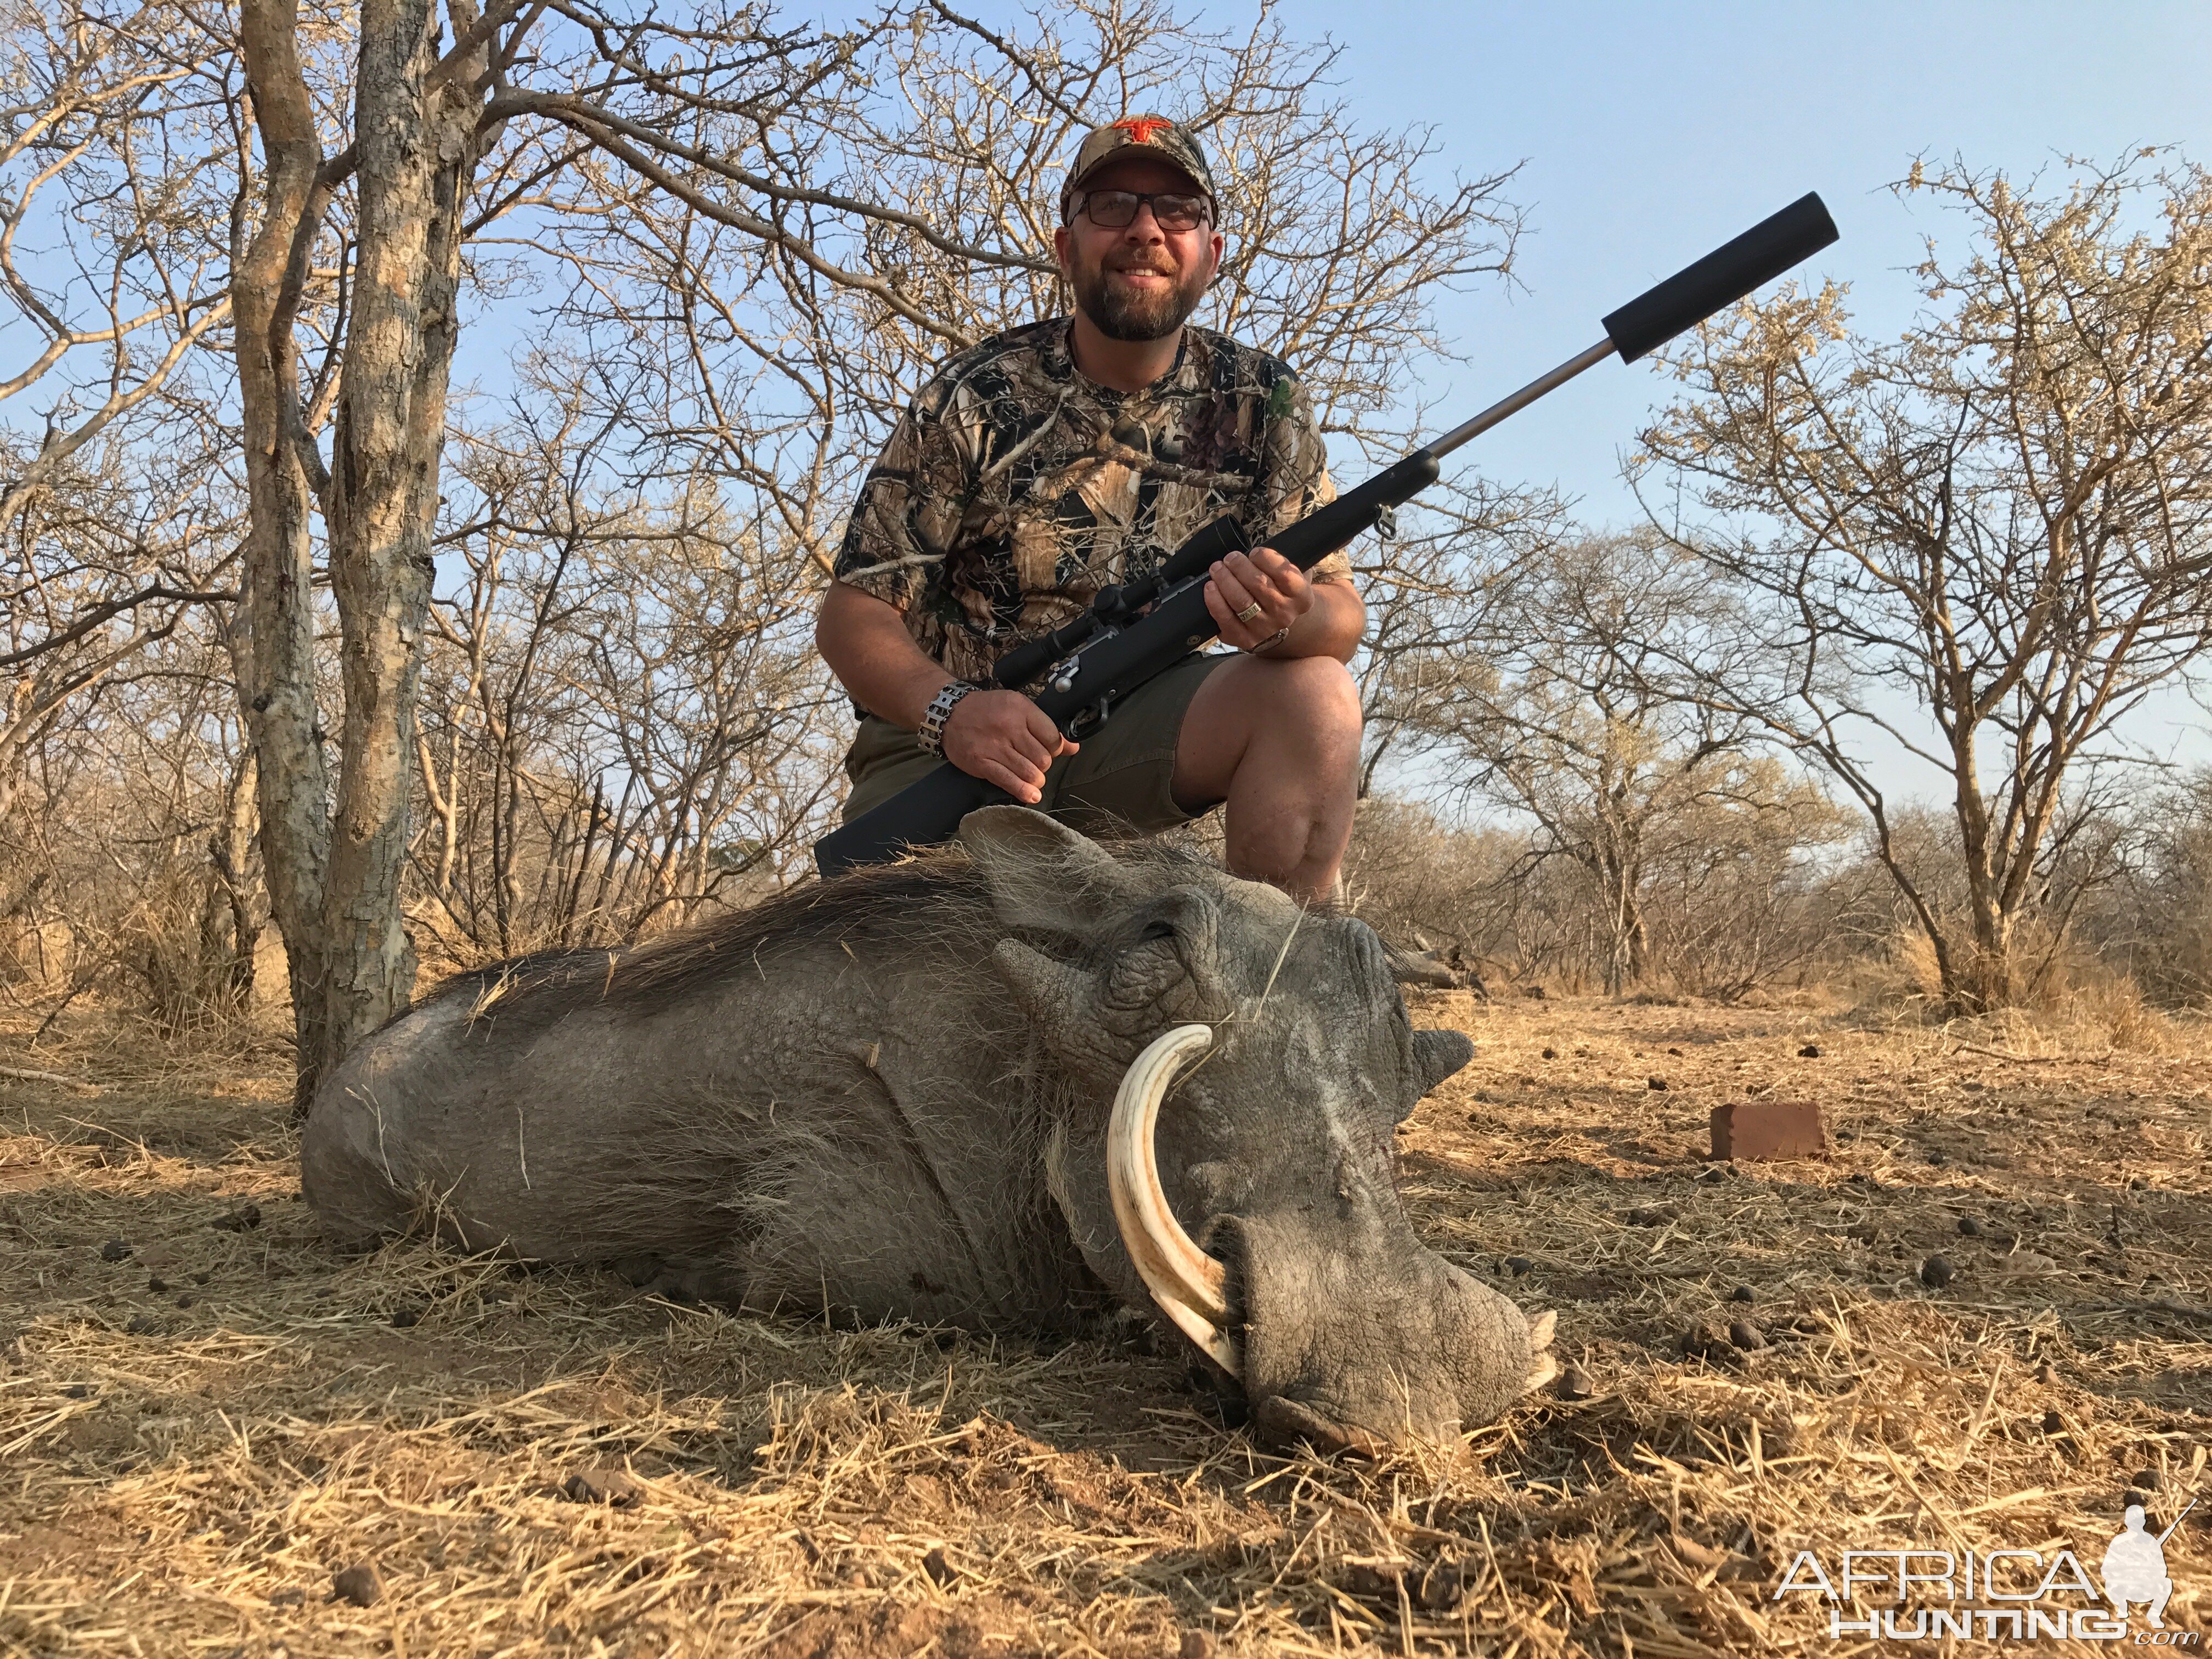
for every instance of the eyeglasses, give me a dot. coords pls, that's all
(1113, 210)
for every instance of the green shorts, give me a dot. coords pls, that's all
(1122, 778)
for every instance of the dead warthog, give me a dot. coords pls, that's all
(1008, 1086)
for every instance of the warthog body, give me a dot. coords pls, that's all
(888, 1095)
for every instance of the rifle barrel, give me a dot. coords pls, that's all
(1520, 400)
(2178, 1520)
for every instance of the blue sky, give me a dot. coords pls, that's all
(1650, 133)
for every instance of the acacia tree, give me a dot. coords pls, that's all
(1984, 544)
(831, 211)
(115, 520)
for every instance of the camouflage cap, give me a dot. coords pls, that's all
(1176, 145)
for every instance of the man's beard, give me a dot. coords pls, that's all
(1123, 313)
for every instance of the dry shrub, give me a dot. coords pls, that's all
(2078, 1002)
(1721, 925)
(1419, 882)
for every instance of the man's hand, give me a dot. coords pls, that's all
(1003, 738)
(1265, 578)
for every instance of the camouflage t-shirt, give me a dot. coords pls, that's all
(1015, 488)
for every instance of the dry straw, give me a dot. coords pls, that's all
(548, 1463)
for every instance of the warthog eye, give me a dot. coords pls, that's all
(1156, 930)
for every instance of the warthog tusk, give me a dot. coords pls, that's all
(1189, 1285)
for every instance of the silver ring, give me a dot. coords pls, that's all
(1249, 611)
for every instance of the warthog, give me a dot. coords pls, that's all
(930, 1090)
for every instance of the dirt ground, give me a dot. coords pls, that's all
(207, 1418)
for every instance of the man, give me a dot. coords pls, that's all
(2134, 1570)
(1053, 459)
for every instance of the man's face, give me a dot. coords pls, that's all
(1137, 283)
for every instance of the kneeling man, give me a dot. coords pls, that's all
(1051, 459)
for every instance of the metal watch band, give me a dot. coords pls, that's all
(931, 737)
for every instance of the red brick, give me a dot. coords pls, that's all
(1769, 1128)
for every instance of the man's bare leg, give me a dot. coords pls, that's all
(1277, 742)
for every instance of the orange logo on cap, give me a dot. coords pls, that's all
(1140, 127)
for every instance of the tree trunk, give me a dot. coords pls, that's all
(1984, 979)
(231, 849)
(272, 636)
(1628, 941)
(418, 145)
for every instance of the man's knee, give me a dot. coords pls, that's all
(1321, 692)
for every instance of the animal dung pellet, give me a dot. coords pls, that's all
(1743, 1335)
(2145, 1481)
(1376, 1580)
(115, 1249)
(1440, 1587)
(1655, 1082)
(1574, 1383)
(613, 1488)
(358, 1584)
(1551, 1054)
(1969, 1227)
(1195, 1644)
(1768, 1129)
(2053, 1423)
(1742, 1293)
(244, 1219)
(1702, 1340)
(938, 1567)
(1810, 1051)
(1518, 1265)
(1936, 1273)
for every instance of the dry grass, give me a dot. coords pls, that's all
(184, 1471)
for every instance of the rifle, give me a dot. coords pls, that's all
(1091, 663)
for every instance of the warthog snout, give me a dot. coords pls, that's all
(1348, 1334)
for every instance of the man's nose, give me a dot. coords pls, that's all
(1144, 227)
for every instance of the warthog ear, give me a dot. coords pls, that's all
(1042, 875)
(1437, 1054)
